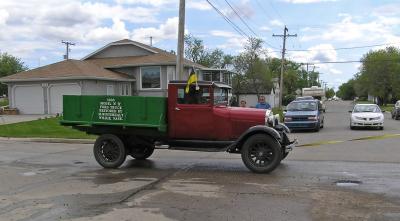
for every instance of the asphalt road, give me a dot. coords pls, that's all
(42, 181)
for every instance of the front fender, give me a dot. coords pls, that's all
(237, 145)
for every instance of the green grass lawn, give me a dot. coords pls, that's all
(44, 128)
(3, 102)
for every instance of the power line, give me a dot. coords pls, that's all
(237, 29)
(276, 11)
(262, 7)
(240, 17)
(351, 61)
(347, 48)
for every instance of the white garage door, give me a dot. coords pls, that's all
(56, 92)
(29, 99)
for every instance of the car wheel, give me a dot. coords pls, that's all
(141, 153)
(381, 128)
(109, 151)
(261, 153)
(317, 128)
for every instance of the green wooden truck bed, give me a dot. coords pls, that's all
(125, 111)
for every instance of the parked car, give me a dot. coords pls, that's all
(366, 115)
(396, 111)
(304, 114)
(307, 98)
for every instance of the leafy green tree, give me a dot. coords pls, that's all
(346, 90)
(196, 52)
(9, 65)
(380, 74)
(329, 93)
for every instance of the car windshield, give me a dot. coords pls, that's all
(220, 96)
(366, 108)
(302, 106)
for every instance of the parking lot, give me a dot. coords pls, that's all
(332, 175)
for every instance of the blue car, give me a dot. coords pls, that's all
(304, 115)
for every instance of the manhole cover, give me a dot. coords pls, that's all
(348, 182)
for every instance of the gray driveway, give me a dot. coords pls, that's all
(10, 119)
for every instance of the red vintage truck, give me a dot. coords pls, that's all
(197, 119)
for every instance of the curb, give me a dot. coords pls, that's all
(49, 140)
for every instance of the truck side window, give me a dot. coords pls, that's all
(201, 96)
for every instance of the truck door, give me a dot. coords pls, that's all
(192, 114)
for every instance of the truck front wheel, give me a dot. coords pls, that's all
(109, 151)
(141, 153)
(261, 153)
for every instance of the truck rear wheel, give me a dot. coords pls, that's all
(261, 153)
(141, 153)
(109, 151)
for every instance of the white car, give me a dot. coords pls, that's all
(366, 115)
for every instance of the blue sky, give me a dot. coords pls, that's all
(33, 29)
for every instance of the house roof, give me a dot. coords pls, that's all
(99, 68)
(158, 57)
(131, 61)
(68, 69)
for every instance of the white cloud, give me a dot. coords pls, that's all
(307, 1)
(146, 2)
(199, 5)
(116, 32)
(168, 30)
(225, 34)
(380, 29)
(265, 28)
(276, 22)
(3, 16)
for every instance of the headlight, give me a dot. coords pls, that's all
(288, 119)
(313, 118)
(358, 118)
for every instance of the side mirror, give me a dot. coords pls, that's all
(350, 111)
(383, 111)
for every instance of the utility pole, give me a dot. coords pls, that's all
(67, 43)
(151, 40)
(284, 36)
(181, 35)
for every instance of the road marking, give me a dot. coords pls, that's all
(378, 137)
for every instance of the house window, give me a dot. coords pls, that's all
(150, 77)
(124, 89)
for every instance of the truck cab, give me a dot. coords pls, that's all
(202, 113)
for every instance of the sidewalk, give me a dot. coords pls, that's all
(10, 119)
(50, 140)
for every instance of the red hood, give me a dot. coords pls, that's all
(245, 113)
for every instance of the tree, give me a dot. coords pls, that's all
(380, 74)
(9, 65)
(329, 93)
(196, 52)
(346, 90)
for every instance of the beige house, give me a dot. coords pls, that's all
(120, 68)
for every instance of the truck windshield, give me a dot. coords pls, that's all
(302, 106)
(220, 96)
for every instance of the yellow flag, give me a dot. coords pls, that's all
(192, 79)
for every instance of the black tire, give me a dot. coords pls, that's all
(317, 128)
(284, 155)
(261, 153)
(109, 151)
(141, 153)
(352, 128)
(381, 128)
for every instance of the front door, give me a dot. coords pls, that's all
(192, 114)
